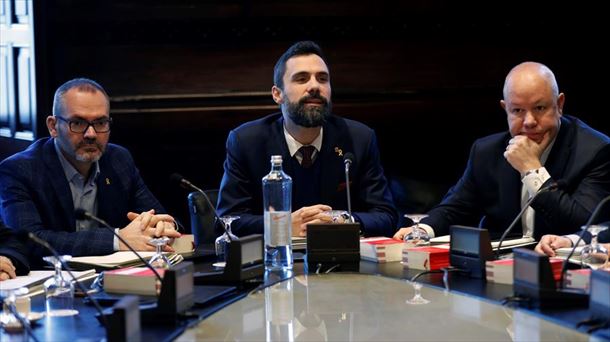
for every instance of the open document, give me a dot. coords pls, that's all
(35, 278)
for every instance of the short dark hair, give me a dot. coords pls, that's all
(301, 48)
(82, 84)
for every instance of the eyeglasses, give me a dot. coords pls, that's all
(81, 126)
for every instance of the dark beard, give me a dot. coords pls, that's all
(308, 116)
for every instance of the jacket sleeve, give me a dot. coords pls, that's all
(237, 189)
(379, 216)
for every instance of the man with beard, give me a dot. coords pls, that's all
(312, 143)
(41, 187)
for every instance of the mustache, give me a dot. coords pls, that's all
(315, 96)
(87, 143)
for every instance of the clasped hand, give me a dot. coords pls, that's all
(145, 226)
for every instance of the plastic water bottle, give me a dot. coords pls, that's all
(277, 207)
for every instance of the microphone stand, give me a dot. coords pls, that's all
(80, 213)
(80, 286)
(184, 183)
(593, 216)
(348, 160)
(551, 187)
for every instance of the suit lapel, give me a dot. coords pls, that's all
(335, 143)
(111, 194)
(562, 150)
(510, 192)
(556, 164)
(57, 178)
(279, 146)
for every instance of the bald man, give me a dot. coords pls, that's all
(540, 147)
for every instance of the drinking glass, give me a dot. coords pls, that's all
(417, 298)
(417, 237)
(8, 319)
(595, 253)
(59, 292)
(159, 260)
(222, 242)
(338, 216)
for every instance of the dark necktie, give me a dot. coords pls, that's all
(306, 152)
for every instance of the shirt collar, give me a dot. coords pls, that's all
(69, 170)
(294, 145)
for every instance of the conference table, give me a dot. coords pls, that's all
(369, 304)
(363, 307)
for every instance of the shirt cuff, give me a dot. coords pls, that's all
(428, 229)
(115, 241)
(574, 238)
(534, 179)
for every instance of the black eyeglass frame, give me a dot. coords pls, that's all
(89, 124)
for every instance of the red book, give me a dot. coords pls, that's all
(501, 271)
(578, 279)
(426, 258)
(133, 280)
(381, 249)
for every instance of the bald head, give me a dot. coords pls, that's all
(530, 73)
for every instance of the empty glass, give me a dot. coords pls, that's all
(417, 237)
(417, 298)
(595, 253)
(8, 320)
(59, 292)
(222, 242)
(159, 260)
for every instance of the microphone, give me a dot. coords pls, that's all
(348, 159)
(593, 216)
(24, 235)
(184, 183)
(82, 214)
(551, 187)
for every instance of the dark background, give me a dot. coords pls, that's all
(426, 75)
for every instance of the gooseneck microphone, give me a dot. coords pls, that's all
(82, 214)
(551, 187)
(184, 183)
(348, 159)
(592, 218)
(22, 234)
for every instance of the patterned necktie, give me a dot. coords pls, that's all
(306, 152)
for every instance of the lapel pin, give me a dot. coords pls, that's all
(107, 181)
(339, 151)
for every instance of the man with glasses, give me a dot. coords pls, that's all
(77, 168)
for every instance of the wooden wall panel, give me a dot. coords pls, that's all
(423, 74)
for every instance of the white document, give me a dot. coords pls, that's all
(509, 243)
(38, 277)
(112, 260)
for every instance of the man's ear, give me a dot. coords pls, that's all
(52, 125)
(276, 93)
(561, 99)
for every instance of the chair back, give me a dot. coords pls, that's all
(203, 221)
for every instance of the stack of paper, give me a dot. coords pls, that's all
(36, 278)
(507, 244)
(118, 260)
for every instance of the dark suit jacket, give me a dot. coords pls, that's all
(250, 146)
(490, 187)
(35, 196)
(13, 249)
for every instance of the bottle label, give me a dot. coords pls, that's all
(277, 228)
